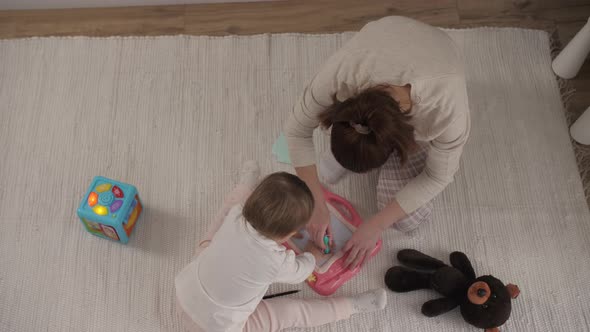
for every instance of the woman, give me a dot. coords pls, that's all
(394, 97)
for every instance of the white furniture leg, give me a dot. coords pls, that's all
(570, 60)
(580, 130)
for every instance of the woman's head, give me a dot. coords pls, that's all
(367, 128)
(280, 205)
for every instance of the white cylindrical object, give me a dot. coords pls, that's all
(570, 60)
(580, 130)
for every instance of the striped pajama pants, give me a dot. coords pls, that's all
(393, 177)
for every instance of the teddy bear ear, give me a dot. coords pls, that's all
(513, 290)
(493, 329)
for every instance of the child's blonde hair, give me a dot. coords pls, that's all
(280, 205)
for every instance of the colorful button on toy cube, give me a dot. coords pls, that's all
(102, 200)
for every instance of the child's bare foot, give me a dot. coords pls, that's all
(369, 301)
(249, 174)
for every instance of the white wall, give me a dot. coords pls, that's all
(51, 4)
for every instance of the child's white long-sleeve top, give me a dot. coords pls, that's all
(222, 286)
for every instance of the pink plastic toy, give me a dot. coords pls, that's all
(330, 272)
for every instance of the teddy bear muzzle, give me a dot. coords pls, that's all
(479, 292)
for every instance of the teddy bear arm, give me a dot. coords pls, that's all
(437, 307)
(417, 260)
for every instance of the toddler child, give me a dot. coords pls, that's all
(242, 254)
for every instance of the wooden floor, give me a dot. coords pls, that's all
(561, 17)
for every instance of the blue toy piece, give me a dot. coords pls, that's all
(110, 209)
(327, 242)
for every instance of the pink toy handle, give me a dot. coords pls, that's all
(350, 213)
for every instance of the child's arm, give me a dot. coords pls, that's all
(218, 220)
(237, 196)
(296, 269)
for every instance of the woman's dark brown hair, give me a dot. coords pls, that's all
(280, 205)
(381, 129)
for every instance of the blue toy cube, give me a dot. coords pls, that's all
(110, 209)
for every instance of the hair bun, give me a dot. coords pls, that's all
(361, 129)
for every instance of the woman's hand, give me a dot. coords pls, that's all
(319, 224)
(368, 233)
(360, 245)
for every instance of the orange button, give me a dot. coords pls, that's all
(92, 199)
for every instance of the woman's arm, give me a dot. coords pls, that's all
(417, 192)
(310, 176)
(299, 134)
(319, 224)
(441, 165)
(344, 73)
(388, 216)
(302, 122)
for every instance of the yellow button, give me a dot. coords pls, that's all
(100, 210)
(103, 187)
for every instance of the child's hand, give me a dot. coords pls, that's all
(315, 251)
(298, 235)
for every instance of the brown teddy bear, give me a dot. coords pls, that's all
(484, 302)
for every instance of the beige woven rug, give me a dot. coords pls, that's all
(176, 116)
